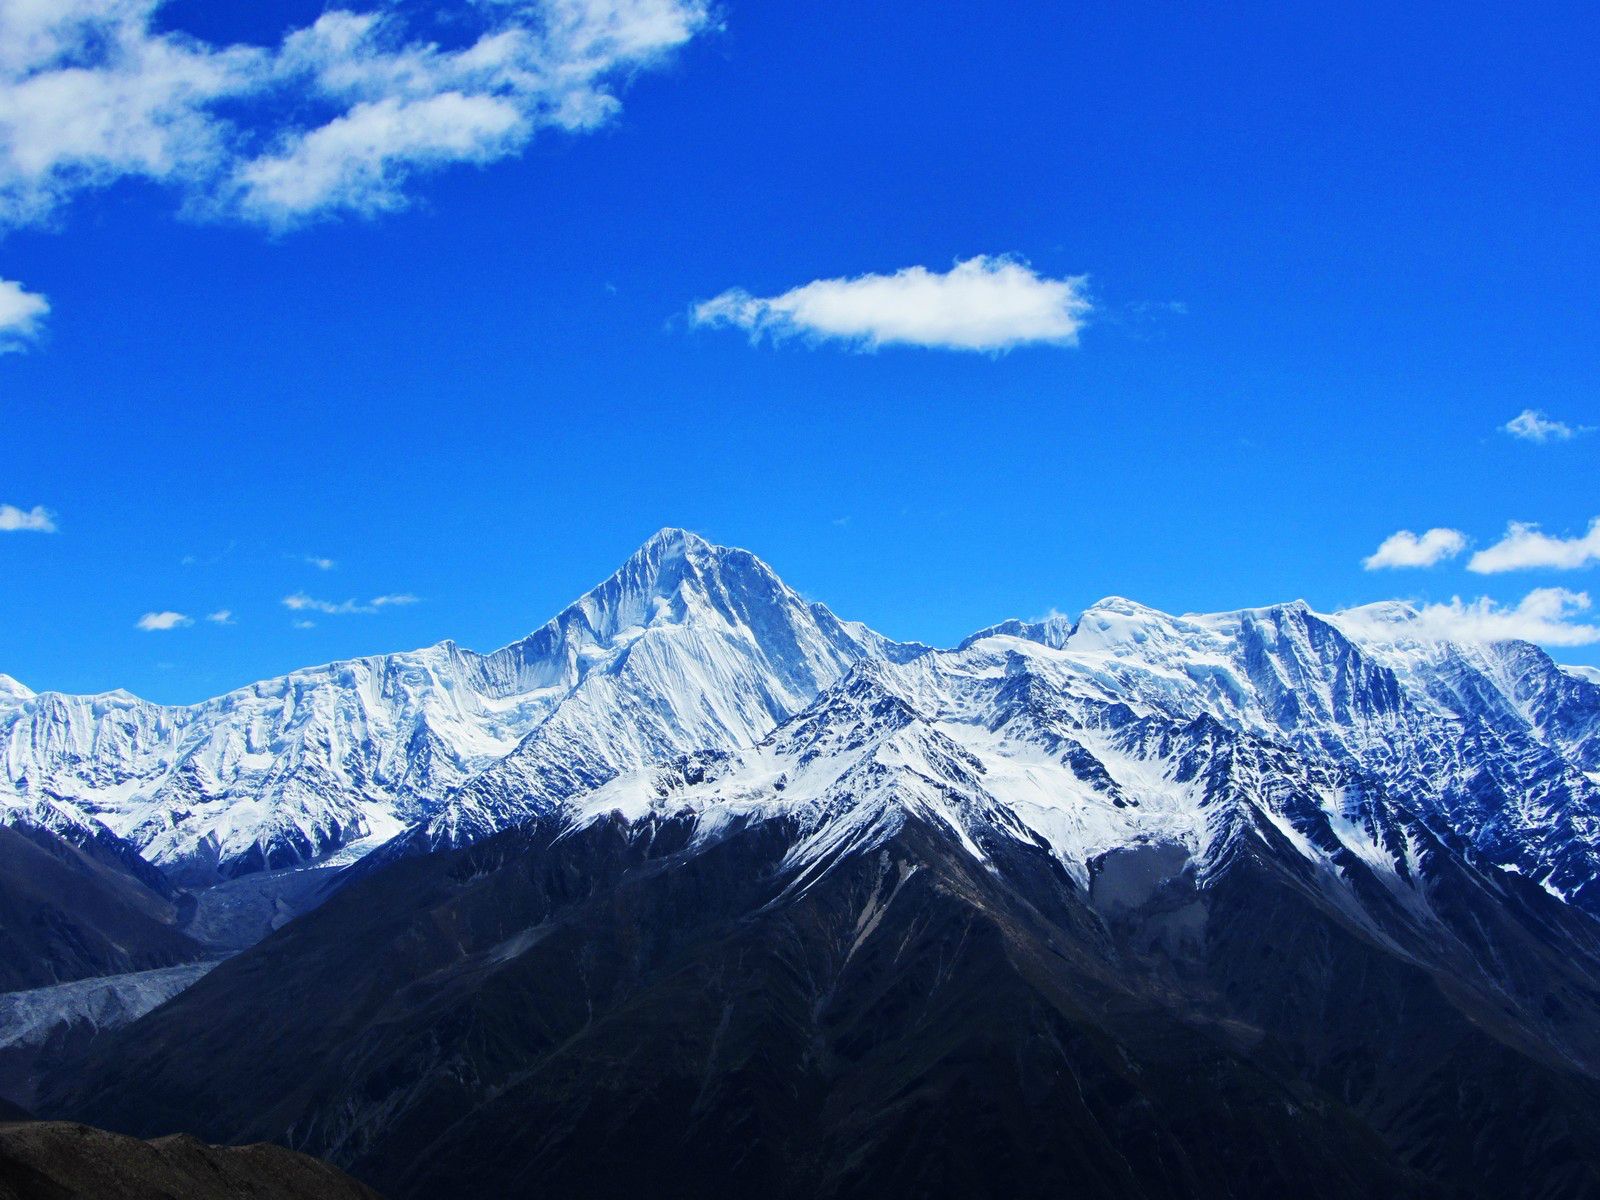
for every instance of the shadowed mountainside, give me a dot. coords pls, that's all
(66, 915)
(902, 1021)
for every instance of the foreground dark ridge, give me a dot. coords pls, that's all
(60, 1161)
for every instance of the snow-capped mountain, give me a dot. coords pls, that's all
(1083, 736)
(687, 645)
(1120, 900)
(695, 649)
(966, 924)
(1141, 729)
(1496, 744)
(278, 772)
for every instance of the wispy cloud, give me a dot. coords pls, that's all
(1534, 426)
(321, 564)
(157, 622)
(22, 315)
(26, 520)
(982, 304)
(339, 116)
(1407, 549)
(223, 616)
(300, 602)
(1548, 616)
(305, 624)
(1524, 547)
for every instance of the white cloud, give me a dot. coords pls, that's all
(26, 520)
(305, 624)
(321, 564)
(1533, 426)
(223, 616)
(21, 314)
(1407, 549)
(1544, 615)
(153, 622)
(982, 303)
(359, 161)
(89, 93)
(300, 602)
(1524, 547)
(337, 117)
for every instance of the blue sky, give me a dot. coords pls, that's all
(1260, 287)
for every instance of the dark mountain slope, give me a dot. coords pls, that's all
(67, 913)
(617, 1011)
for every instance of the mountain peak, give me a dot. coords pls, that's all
(675, 576)
(670, 541)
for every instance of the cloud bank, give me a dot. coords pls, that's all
(1525, 548)
(1407, 549)
(1548, 616)
(339, 116)
(983, 304)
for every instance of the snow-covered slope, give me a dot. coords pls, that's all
(283, 770)
(977, 743)
(686, 645)
(1137, 728)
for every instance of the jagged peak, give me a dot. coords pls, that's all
(11, 689)
(665, 580)
(868, 682)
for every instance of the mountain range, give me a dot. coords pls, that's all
(1131, 905)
